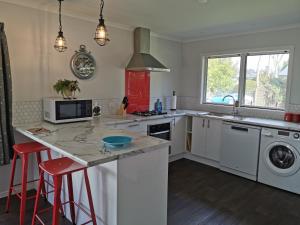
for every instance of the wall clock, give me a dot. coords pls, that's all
(83, 64)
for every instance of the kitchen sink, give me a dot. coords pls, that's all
(222, 115)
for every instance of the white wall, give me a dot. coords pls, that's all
(36, 66)
(192, 52)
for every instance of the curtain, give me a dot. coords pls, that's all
(6, 129)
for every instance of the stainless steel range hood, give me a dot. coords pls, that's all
(141, 59)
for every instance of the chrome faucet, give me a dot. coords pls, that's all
(234, 106)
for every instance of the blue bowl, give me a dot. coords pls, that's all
(116, 141)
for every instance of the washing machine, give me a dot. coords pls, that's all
(279, 159)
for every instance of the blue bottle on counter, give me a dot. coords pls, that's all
(158, 106)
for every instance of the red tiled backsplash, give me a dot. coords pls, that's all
(137, 89)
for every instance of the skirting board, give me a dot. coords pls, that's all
(238, 173)
(176, 157)
(202, 160)
(212, 163)
(195, 158)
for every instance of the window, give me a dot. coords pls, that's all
(255, 79)
(222, 79)
(266, 80)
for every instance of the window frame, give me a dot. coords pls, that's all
(242, 78)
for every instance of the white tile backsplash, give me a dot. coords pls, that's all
(32, 111)
(27, 111)
(193, 103)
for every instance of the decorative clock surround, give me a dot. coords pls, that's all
(83, 64)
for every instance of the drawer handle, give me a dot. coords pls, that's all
(239, 128)
(133, 125)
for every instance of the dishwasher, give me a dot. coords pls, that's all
(240, 149)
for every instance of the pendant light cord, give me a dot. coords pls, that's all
(59, 17)
(101, 8)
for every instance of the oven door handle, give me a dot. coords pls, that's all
(161, 132)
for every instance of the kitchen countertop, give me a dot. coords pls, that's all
(270, 123)
(129, 118)
(82, 141)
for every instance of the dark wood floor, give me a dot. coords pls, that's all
(202, 195)
(12, 218)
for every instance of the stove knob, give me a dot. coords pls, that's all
(296, 135)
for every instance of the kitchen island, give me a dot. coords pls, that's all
(129, 186)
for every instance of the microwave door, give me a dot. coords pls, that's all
(73, 109)
(66, 110)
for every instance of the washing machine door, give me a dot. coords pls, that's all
(282, 159)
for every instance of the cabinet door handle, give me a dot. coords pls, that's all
(239, 128)
(133, 125)
(203, 122)
(208, 123)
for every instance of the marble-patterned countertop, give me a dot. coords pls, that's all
(270, 123)
(82, 141)
(118, 119)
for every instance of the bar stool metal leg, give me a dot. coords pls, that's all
(88, 190)
(12, 177)
(57, 202)
(37, 198)
(24, 188)
(39, 160)
(71, 197)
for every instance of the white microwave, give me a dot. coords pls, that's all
(57, 110)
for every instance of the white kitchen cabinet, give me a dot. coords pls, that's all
(178, 135)
(199, 134)
(206, 140)
(139, 127)
(213, 139)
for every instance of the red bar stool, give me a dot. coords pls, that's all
(57, 168)
(23, 150)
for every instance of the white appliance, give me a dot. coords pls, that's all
(240, 149)
(279, 160)
(57, 110)
(174, 101)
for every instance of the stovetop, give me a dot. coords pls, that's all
(149, 113)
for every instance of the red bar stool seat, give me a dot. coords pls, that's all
(24, 150)
(29, 147)
(57, 168)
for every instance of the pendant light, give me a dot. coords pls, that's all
(60, 42)
(101, 35)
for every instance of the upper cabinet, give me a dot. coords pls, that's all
(206, 141)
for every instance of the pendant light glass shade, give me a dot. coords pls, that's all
(60, 42)
(101, 35)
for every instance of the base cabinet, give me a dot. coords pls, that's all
(139, 127)
(206, 140)
(199, 136)
(178, 135)
(178, 129)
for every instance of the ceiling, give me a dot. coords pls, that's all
(185, 19)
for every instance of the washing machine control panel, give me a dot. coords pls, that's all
(296, 135)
